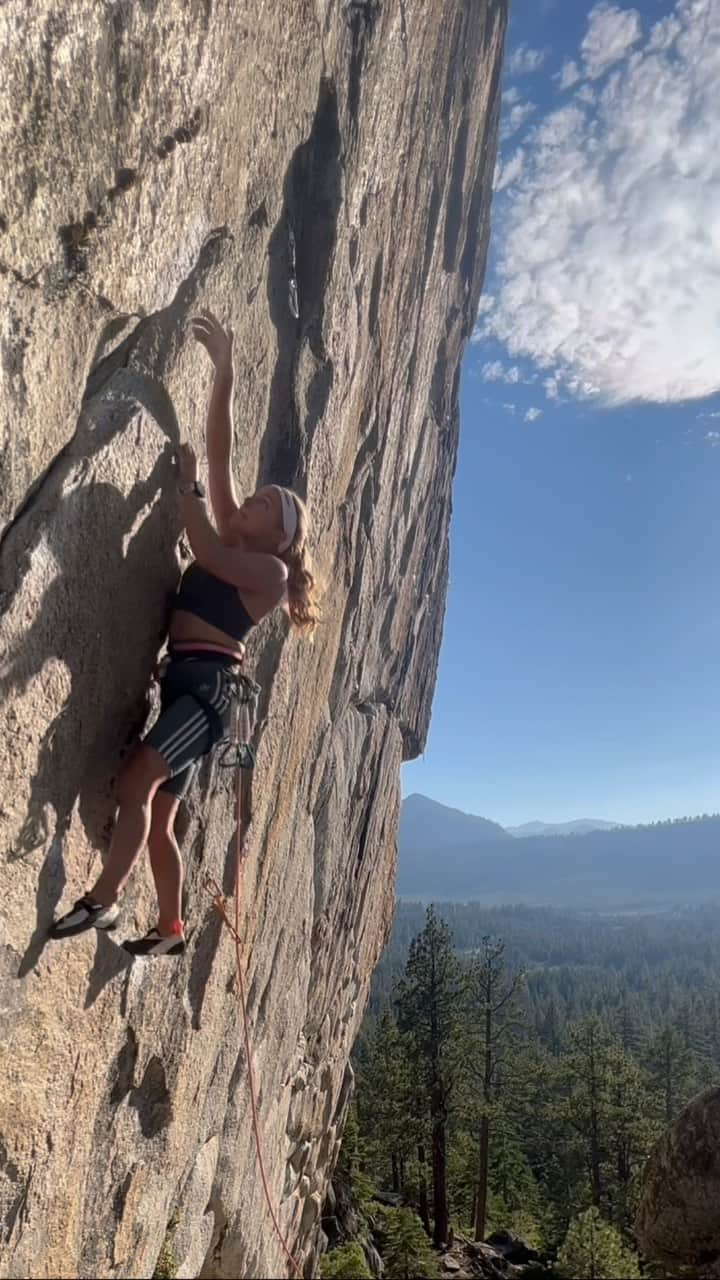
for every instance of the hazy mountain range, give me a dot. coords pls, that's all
(579, 827)
(447, 854)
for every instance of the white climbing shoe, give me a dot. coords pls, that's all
(86, 914)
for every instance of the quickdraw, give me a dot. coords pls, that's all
(239, 752)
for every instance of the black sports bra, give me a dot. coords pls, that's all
(214, 601)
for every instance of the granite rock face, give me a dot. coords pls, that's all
(319, 174)
(678, 1223)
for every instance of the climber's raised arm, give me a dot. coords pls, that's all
(256, 572)
(219, 435)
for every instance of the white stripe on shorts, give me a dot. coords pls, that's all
(181, 737)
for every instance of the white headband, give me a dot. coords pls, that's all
(289, 517)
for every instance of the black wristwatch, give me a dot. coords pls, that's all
(195, 487)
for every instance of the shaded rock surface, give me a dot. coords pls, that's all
(678, 1220)
(161, 158)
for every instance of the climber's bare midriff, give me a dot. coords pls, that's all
(187, 628)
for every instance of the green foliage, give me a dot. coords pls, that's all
(166, 1265)
(386, 1091)
(429, 999)
(594, 1250)
(462, 1176)
(349, 1172)
(345, 1263)
(406, 1250)
(616, 1026)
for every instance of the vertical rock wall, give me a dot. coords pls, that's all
(160, 158)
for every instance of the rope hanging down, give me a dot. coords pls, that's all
(244, 760)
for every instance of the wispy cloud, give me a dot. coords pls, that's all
(569, 75)
(713, 438)
(532, 414)
(608, 242)
(515, 118)
(524, 60)
(586, 94)
(495, 371)
(508, 171)
(611, 32)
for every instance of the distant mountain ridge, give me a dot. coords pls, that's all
(424, 821)
(579, 827)
(447, 855)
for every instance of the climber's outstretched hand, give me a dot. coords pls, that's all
(217, 341)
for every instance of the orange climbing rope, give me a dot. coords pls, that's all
(234, 930)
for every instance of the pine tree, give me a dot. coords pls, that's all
(406, 1253)
(667, 1061)
(429, 1010)
(492, 990)
(385, 1096)
(594, 1250)
(345, 1263)
(629, 1129)
(587, 1081)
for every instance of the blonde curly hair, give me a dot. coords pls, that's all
(303, 587)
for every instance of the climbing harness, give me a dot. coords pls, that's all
(244, 760)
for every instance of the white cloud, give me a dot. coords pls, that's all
(713, 438)
(611, 31)
(569, 75)
(510, 96)
(716, 414)
(495, 371)
(511, 408)
(551, 388)
(507, 172)
(524, 60)
(586, 94)
(515, 117)
(532, 414)
(608, 244)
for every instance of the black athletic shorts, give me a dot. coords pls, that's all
(197, 695)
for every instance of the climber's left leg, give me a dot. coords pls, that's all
(141, 775)
(166, 862)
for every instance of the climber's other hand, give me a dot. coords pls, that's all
(187, 464)
(217, 341)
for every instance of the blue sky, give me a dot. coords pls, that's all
(580, 668)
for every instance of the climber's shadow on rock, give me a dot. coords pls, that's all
(312, 200)
(109, 961)
(88, 621)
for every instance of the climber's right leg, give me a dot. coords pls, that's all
(138, 782)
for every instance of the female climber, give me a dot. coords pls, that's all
(255, 562)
